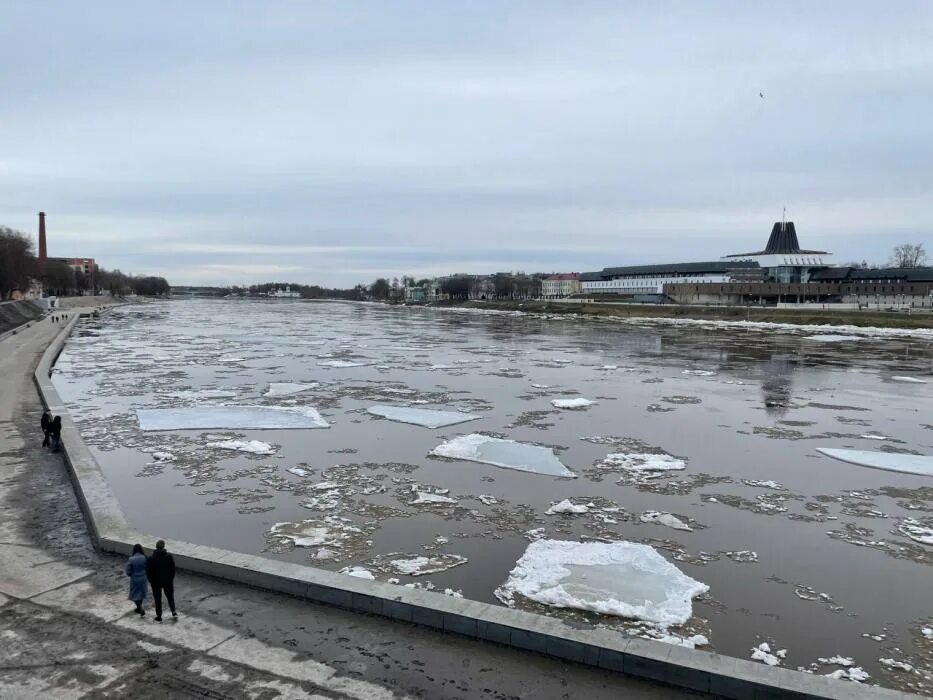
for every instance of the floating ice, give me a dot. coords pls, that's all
(487, 500)
(915, 531)
(856, 674)
(394, 390)
(889, 461)
(699, 372)
(358, 572)
(503, 453)
(426, 498)
(571, 403)
(303, 534)
(232, 417)
(891, 663)
(419, 566)
(340, 364)
(908, 380)
(643, 462)
(927, 632)
(163, 456)
(756, 483)
(615, 578)
(288, 388)
(421, 416)
(832, 337)
(566, 506)
(837, 660)
(873, 436)
(256, 447)
(298, 471)
(202, 394)
(763, 653)
(667, 519)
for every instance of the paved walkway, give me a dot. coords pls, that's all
(67, 630)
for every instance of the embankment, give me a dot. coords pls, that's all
(14, 314)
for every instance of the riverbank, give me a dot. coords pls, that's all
(808, 317)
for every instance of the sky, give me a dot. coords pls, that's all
(333, 143)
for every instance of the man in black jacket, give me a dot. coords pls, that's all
(160, 570)
(46, 426)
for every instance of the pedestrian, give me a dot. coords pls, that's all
(46, 426)
(136, 570)
(160, 570)
(56, 433)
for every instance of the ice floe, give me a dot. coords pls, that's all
(900, 665)
(666, 519)
(566, 506)
(426, 498)
(341, 364)
(763, 653)
(699, 372)
(613, 578)
(908, 380)
(836, 660)
(487, 500)
(202, 394)
(421, 565)
(298, 471)
(358, 572)
(229, 417)
(855, 674)
(889, 461)
(873, 436)
(503, 453)
(571, 403)
(769, 484)
(643, 462)
(424, 417)
(832, 337)
(256, 447)
(915, 531)
(288, 388)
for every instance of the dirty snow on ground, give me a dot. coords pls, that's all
(229, 417)
(566, 506)
(288, 388)
(644, 462)
(571, 403)
(424, 417)
(256, 447)
(666, 519)
(613, 578)
(890, 461)
(503, 453)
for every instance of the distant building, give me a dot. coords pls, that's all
(564, 284)
(85, 265)
(649, 280)
(415, 295)
(286, 293)
(783, 258)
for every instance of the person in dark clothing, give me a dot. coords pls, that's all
(55, 432)
(136, 570)
(46, 426)
(160, 570)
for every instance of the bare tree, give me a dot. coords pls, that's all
(909, 255)
(17, 261)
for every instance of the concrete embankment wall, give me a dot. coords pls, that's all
(702, 671)
(14, 314)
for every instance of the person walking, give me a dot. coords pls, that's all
(160, 570)
(55, 432)
(136, 570)
(46, 426)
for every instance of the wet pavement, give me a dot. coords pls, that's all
(819, 557)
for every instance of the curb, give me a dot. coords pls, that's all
(692, 669)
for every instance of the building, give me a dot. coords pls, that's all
(85, 265)
(783, 259)
(649, 280)
(415, 295)
(287, 293)
(564, 284)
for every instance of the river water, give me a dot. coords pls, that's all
(800, 551)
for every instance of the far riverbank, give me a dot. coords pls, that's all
(806, 317)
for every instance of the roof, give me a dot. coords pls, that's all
(783, 240)
(884, 274)
(590, 276)
(690, 268)
(563, 276)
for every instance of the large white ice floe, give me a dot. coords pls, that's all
(421, 565)
(503, 453)
(424, 417)
(358, 572)
(230, 417)
(916, 531)
(832, 337)
(763, 654)
(571, 403)
(256, 447)
(613, 578)
(428, 498)
(666, 519)
(288, 388)
(643, 462)
(342, 364)
(889, 461)
(566, 506)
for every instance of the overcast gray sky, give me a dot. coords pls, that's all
(235, 142)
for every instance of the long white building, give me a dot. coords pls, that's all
(650, 279)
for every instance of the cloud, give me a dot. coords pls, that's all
(385, 138)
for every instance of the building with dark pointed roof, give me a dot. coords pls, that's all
(784, 259)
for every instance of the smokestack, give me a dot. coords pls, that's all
(43, 249)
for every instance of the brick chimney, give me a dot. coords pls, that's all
(43, 249)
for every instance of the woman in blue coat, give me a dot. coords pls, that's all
(136, 570)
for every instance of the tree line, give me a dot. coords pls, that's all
(307, 291)
(19, 268)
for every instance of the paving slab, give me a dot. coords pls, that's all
(26, 571)
(188, 632)
(85, 597)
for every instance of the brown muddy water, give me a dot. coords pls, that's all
(801, 551)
